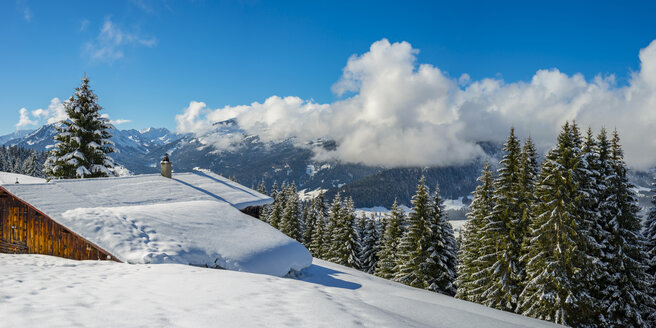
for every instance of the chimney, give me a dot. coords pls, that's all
(166, 166)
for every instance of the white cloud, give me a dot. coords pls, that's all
(119, 121)
(56, 112)
(24, 120)
(111, 42)
(399, 113)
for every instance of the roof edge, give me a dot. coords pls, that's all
(102, 250)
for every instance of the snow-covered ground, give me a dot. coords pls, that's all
(193, 218)
(40, 291)
(11, 178)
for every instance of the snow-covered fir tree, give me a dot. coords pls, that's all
(345, 248)
(650, 249)
(290, 223)
(390, 239)
(554, 258)
(505, 230)
(591, 235)
(415, 244)
(21, 160)
(528, 172)
(261, 187)
(83, 139)
(266, 210)
(627, 299)
(476, 257)
(442, 258)
(369, 246)
(318, 245)
(307, 223)
(276, 209)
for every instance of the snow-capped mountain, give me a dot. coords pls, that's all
(14, 135)
(141, 140)
(228, 150)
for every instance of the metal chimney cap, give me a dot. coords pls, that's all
(166, 158)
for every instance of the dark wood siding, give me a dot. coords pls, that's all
(24, 230)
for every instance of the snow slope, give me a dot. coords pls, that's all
(38, 290)
(10, 178)
(190, 219)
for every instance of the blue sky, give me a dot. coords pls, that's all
(154, 57)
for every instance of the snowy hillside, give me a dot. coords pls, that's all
(36, 289)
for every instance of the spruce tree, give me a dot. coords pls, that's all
(415, 243)
(334, 216)
(506, 230)
(344, 247)
(476, 257)
(290, 223)
(591, 236)
(528, 173)
(318, 246)
(261, 188)
(83, 140)
(316, 212)
(369, 246)
(554, 257)
(650, 249)
(442, 253)
(627, 299)
(388, 253)
(279, 203)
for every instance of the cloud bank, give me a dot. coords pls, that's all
(397, 112)
(55, 112)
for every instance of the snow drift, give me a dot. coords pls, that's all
(193, 218)
(41, 290)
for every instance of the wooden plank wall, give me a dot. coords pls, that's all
(23, 230)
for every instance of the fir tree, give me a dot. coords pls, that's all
(318, 243)
(261, 188)
(650, 249)
(591, 236)
(505, 230)
(344, 247)
(627, 299)
(528, 172)
(442, 254)
(388, 253)
(334, 220)
(554, 257)
(290, 223)
(83, 140)
(415, 243)
(475, 256)
(369, 246)
(275, 213)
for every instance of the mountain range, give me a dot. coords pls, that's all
(228, 150)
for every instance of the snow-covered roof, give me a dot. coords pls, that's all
(193, 218)
(11, 178)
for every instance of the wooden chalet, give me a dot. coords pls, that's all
(35, 218)
(26, 230)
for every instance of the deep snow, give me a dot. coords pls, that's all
(37, 290)
(190, 219)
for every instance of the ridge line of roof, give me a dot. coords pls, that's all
(56, 181)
